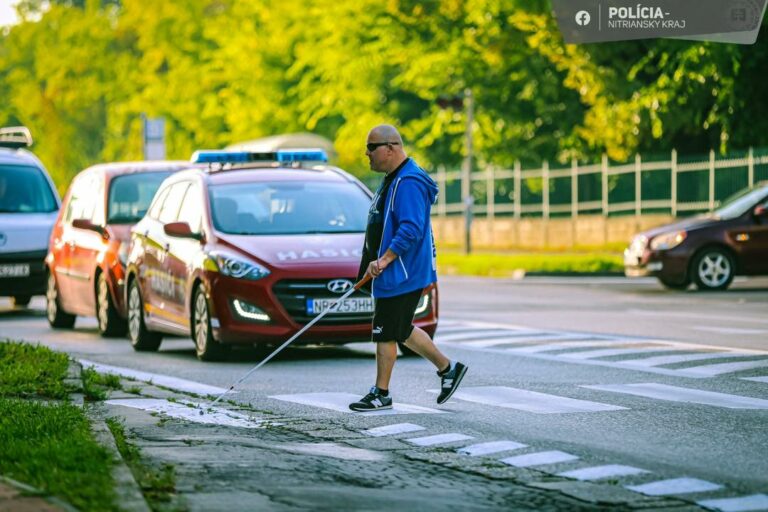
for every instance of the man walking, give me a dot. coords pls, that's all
(399, 254)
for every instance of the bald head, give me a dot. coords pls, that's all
(385, 150)
(385, 132)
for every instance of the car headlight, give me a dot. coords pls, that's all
(238, 268)
(667, 241)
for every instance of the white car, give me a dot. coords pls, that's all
(29, 205)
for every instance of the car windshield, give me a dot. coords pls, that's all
(289, 208)
(24, 189)
(739, 203)
(130, 196)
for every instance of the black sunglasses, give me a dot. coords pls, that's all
(371, 146)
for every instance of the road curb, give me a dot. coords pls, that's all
(127, 491)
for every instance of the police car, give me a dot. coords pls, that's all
(29, 205)
(248, 251)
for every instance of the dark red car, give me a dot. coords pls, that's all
(708, 249)
(250, 253)
(88, 246)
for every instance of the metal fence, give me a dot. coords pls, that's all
(668, 183)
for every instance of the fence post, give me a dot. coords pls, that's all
(545, 189)
(638, 186)
(517, 179)
(751, 167)
(574, 200)
(442, 187)
(673, 167)
(490, 192)
(604, 179)
(711, 179)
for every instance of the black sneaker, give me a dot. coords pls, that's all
(373, 401)
(449, 382)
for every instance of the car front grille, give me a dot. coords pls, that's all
(293, 295)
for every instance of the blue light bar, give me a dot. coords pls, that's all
(214, 156)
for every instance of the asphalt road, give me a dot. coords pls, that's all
(644, 384)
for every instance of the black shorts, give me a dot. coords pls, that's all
(393, 317)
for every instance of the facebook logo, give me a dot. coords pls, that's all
(582, 18)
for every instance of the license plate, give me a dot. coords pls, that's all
(354, 305)
(14, 270)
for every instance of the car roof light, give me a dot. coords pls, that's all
(15, 137)
(213, 156)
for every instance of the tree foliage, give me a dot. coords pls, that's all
(80, 73)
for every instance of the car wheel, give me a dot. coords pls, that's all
(142, 339)
(57, 317)
(21, 301)
(111, 324)
(713, 269)
(672, 285)
(206, 346)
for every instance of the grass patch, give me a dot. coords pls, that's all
(507, 265)
(95, 384)
(50, 446)
(32, 370)
(158, 484)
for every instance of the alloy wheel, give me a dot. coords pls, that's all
(51, 296)
(134, 312)
(201, 322)
(714, 269)
(103, 305)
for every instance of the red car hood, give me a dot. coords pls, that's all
(294, 250)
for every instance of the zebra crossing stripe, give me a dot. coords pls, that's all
(480, 334)
(539, 459)
(529, 401)
(551, 347)
(662, 360)
(742, 503)
(593, 354)
(339, 402)
(678, 394)
(674, 486)
(475, 450)
(718, 369)
(598, 472)
(438, 439)
(390, 430)
(756, 379)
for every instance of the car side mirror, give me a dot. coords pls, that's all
(90, 226)
(760, 212)
(181, 230)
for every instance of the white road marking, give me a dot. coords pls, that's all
(598, 472)
(674, 486)
(529, 401)
(719, 369)
(438, 439)
(700, 316)
(334, 450)
(740, 504)
(479, 334)
(187, 386)
(551, 347)
(492, 447)
(340, 402)
(688, 395)
(538, 459)
(662, 360)
(757, 379)
(729, 330)
(606, 352)
(180, 410)
(391, 430)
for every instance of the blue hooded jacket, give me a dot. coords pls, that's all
(408, 233)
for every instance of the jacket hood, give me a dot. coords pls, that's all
(413, 171)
